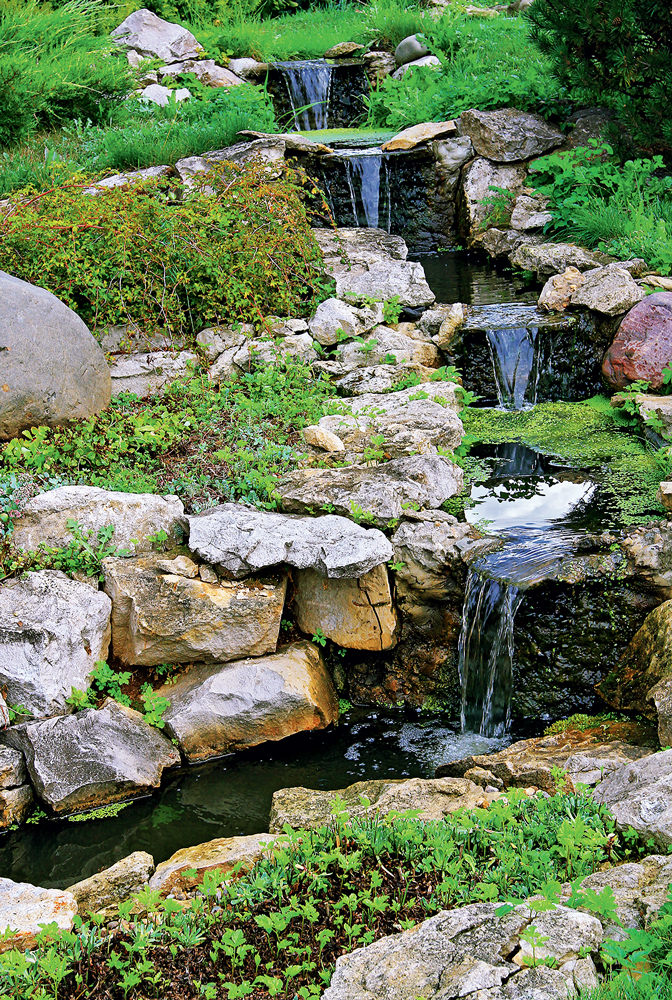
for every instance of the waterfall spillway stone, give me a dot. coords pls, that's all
(308, 83)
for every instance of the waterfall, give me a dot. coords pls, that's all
(512, 353)
(308, 83)
(486, 653)
(367, 180)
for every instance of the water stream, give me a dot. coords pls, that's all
(308, 83)
(367, 178)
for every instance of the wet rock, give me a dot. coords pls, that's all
(148, 374)
(342, 49)
(410, 49)
(478, 178)
(316, 437)
(435, 555)
(156, 94)
(243, 540)
(218, 339)
(552, 258)
(136, 517)
(356, 614)
(128, 179)
(151, 36)
(52, 371)
(412, 421)
(609, 290)
(92, 758)
(381, 378)
(24, 908)
(220, 708)
(529, 212)
(558, 290)
(381, 491)
(113, 885)
(585, 757)
(640, 795)
(646, 661)
(160, 617)
(205, 70)
(508, 135)
(400, 73)
(643, 345)
(335, 319)
(462, 952)
(16, 804)
(219, 855)
(386, 343)
(293, 141)
(402, 279)
(639, 888)
(417, 134)
(305, 808)
(52, 632)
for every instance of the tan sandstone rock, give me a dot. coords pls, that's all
(318, 437)
(417, 134)
(221, 855)
(115, 884)
(558, 290)
(357, 614)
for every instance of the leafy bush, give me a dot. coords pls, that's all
(54, 67)
(491, 65)
(132, 255)
(624, 209)
(613, 52)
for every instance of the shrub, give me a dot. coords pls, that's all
(54, 67)
(134, 255)
(613, 52)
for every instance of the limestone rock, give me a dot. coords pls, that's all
(639, 888)
(52, 631)
(325, 440)
(435, 556)
(243, 540)
(661, 696)
(215, 340)
(558, 290)
(478, 178)
(24, 908)
(400, 73)
(205, 70)
(166, 618)
(220, 708)
(306, 808)
(92, 758)
(387, 343)
(113, 885)
(403, 279)
(216, 855)
(500, 244)
(378, 66)
(4, 722)
(529, 211)
(410, 49)
(417, 134)
(545, 259)
(381, 491)
(151, 36)
(462, 953)
(128, 179)
(156, 94)
(12, 768)
(357, 249)
(412, 421)
(342, 49)
(259, 353)
(334, 318)
(179, 566)
(450, 325)
(381, 378)
(646, 661)
(148, 374)
(52, 371)
(640, 796)
(664, 495)
(508, 135)
(249, 69)
(609, 290)
(282, 326)
(356, 614)
(432, 318)
(643, 345)
(266, 151)
(136, 517)
(15, 805)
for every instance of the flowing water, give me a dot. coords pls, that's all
(367, 178)
(308, 83)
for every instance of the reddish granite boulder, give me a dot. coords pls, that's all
(643, 345)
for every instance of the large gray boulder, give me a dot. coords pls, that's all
(478, 179)
(243, 540)
(508, 135)
(381, 491)
(334, 320)
(546, 259)
(136, 518)
(53, 630)
(609, 290)
(464, 952)
(151, 36)
(402, 279)
(92, 758)
(383, 343)
(224, 707)
(52, 371)
(163, 616)
(358, 249)
(410, 49)
(640, 796)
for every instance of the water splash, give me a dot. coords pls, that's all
(512, 353)
(308, 83)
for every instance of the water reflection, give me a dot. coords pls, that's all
(457, 276)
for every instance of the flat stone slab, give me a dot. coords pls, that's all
(244, 540)
(640, 795)
(215, 709)
(417, 134)
(92, 758)
(25, 908)
(220, 855)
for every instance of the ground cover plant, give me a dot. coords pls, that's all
(277, 930)
(135, 255)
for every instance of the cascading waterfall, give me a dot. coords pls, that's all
(512, 352)
(308, 83)
(367, 179)
(485, 653)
